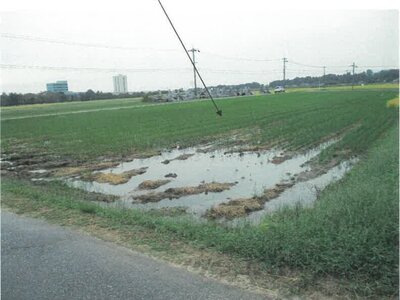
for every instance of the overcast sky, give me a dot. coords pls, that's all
(236, 38)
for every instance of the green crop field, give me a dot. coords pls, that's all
(350, 235)
(296, 121)
(21, 111)
(374, 86)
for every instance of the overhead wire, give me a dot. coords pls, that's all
(90, 69)
(133, 70)
(142, 70)
(239, 58)
(76, 43)
(99, 45)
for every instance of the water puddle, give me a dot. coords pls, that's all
(304, 193)
(244, 174)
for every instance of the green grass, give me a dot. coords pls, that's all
(375, 86)
(64, 107)
(351, 233)
(297, 120)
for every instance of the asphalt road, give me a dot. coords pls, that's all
(44, 261)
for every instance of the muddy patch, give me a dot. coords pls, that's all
(114, 178)
(78, 170)
(171, 175)
(235, 208)
(280, 159)
(242, 207)
(316, 170)
(152, 184)
(180, 157)
(174, 193)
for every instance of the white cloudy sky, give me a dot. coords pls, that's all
(222, 30)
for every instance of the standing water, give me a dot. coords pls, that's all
(250, 173)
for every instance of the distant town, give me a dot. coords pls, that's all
(120, 84)
(58, 91)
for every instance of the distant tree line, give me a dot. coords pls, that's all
(367, 77)
(250, 85)
(49, 97)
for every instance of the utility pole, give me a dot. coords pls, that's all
(323, 77)
(194, 70)
(284, 70)
(352, 82)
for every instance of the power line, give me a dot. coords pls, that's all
(219, 112)
(75, 43)
(305, 65)
(132, 70)
(394, 67)
(240, 58)
(90, 69)
(316, 66)
(99, 45)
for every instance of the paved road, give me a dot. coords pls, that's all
(43, 261)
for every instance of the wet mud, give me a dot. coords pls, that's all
(114, 178)
(174, 193)
(180, 157)
(152, 184)
(241, 207)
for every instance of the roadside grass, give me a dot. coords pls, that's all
(295, 120)
(350, 234)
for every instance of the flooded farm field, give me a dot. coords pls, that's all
(218, 184)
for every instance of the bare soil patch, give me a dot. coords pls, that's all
(173, 193)
(171, 175)
(235, 208)
(152, 184)
(316, 170)
(180, 157)
(280, 159)
(113, 178)
(243, 206)
(75, 171)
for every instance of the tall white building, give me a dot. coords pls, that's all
(120, 84)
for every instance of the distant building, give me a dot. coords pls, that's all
(58, 86)
(120, 84)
